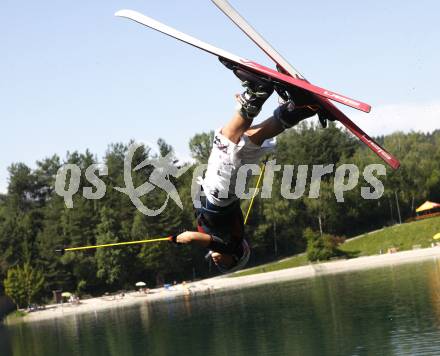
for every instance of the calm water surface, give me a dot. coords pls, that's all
(387, 311)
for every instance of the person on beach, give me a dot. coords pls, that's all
(220, 222)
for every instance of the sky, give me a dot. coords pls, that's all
(75, 77)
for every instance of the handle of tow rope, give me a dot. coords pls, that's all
(173, 239)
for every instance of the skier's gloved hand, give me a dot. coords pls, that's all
(173, 239)
(184, 238)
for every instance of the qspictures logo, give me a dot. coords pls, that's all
(164, 171)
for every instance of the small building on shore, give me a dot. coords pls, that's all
(427, 210)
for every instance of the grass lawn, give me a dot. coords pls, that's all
(403, 237)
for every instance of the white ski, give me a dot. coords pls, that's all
(278, 77)
(259, 40)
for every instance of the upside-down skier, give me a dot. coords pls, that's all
(220, 222)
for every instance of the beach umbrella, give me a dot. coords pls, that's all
(66, 294)
(141, 284)
(436, 236)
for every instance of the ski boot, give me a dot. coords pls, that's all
(258, 90)
(289, 114)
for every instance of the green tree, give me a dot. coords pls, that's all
(110, 262)
(34, 220)
(23, 284)
(200, 146)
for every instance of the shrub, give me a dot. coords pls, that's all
(322, 248)
(23, 284)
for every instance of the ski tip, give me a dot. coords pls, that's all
(124, 13)
(395, 164)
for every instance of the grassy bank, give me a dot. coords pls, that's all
(402, 237)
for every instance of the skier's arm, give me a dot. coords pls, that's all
(209, 241)
(195, 237)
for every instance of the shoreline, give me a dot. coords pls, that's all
(224, 283)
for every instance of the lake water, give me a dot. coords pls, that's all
(386, 311)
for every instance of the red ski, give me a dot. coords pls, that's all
(286, 68)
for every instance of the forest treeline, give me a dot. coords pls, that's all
(34, 220)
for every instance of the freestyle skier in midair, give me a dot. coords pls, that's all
(220, 222)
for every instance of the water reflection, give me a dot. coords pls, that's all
(388, 311)
(434, 288)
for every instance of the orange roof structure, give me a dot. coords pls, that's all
(427, 205)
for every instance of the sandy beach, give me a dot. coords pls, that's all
(223, 283)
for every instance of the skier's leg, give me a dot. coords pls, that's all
(265, 130)
(285, 116)
(236, 127)
(251, 101)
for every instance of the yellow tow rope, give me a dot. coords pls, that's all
(263, 167)
(113, 244)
